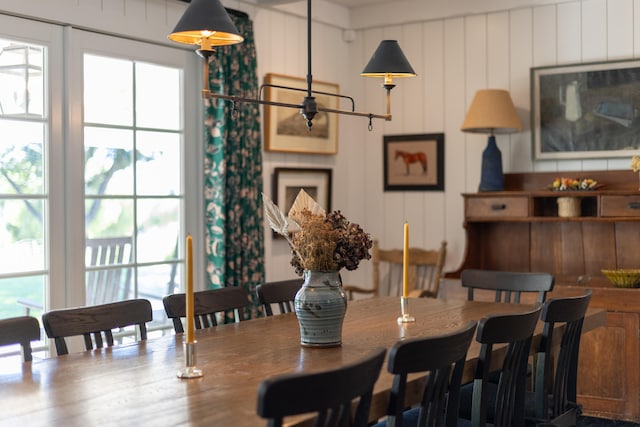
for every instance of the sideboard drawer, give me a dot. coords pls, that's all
(498, 207)
(620, 206)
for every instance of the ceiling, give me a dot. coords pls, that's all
(358, 3)
(345, 3)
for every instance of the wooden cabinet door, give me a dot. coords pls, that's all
(609, 368)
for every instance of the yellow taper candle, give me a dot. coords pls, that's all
(189, 291)
(405, 262)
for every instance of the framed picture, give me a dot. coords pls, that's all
(587, 110)
(285, 128)
(414, 162)
(287, 183)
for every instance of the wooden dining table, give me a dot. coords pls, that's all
(137, 383)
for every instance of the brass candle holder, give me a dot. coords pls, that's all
(404, 307)
(190, 370)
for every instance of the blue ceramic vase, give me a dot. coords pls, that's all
(320, 305)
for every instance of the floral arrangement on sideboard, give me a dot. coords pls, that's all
(573, 184)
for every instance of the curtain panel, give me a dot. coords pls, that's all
(233, 170)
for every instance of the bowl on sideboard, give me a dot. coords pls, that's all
(623, 278)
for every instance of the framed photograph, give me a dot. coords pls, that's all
(586, 110)
(286, 129)
(414, 162)
(287, 183)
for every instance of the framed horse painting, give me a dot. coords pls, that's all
(414, 162)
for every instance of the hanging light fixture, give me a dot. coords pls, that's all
(207, 24)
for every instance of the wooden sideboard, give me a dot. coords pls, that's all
(519, 229)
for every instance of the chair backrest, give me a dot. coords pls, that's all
(442, 358)
(206, 305)
(95, 323)
(555, 382)
(112, 283)
(107, 280)
(282, 293)
(20, 330)
(425, 270)
(508, 285)
(516, 330)
(329, 393)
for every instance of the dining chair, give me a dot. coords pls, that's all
(20, 330)
(442, 359)
(425, 271)
(102, 285)
(330, 394)
(96, 323)
(508, 286)
(505, 408)
(206, 306)
(282, 292)
(553, 401)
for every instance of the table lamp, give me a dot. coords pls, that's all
(491, 112)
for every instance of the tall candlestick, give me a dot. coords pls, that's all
(189, 292)
(405, 262)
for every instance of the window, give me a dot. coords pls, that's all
(93, 182)
(133, 188)
(24, 200)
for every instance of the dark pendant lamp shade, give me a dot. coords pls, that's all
(206, 23)
(388, 61)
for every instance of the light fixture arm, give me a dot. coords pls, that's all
(205, 23)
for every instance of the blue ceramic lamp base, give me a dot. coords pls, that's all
(491, 178)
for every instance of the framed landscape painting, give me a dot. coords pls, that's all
(586, 110)
(285, 128)
(414, 162)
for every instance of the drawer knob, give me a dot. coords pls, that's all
(634, 205)
(501, 207)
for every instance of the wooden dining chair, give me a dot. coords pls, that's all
(442, 359)
(330, 394)
(425, 271)
(20, 330)
(207, 304)
(506, 406)
(96, 323)
(553, 401)
(282, 292)
(105, 282)
(508, 286)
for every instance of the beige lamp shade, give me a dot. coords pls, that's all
(491, 112)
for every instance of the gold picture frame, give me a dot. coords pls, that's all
(286, 130)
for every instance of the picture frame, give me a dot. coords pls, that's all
(588, 110)
(414, 162)
(287, 183)
(286, 130)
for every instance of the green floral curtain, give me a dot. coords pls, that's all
(233, 170)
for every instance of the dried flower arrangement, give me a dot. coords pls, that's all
(319, 241)
(573, 184)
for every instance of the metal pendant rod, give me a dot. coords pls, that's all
(309, 76)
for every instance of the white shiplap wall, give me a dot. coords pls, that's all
(454, 56)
